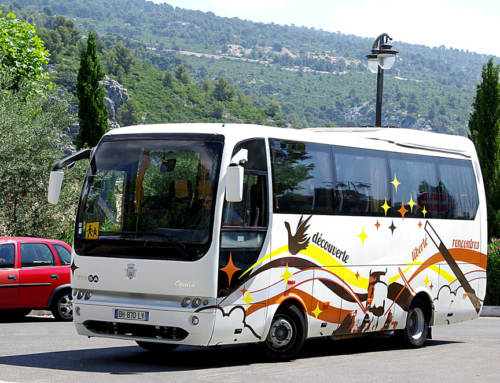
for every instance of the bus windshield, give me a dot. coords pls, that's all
(149, 198)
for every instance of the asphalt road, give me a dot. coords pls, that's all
(42, 350)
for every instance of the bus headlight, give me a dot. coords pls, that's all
(195, 320)
(186, 301)
(196, 302)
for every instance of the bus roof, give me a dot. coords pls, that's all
(394, 139)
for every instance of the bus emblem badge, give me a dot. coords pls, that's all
(131, 271)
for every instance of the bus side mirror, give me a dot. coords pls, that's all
(57, 175)
(55, 183)
(234, 183)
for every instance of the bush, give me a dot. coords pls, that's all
(32, 135)
(493, 274)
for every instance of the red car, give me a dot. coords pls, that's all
(35, 273)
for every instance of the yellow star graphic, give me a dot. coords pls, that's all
(286, 275)
(395, 182)
(362, 236)
(424, 212)
(248, 299)
(317, 311)
(426, 280)
(411, 203)
(386, 207)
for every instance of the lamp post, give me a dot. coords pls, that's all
(382, 57)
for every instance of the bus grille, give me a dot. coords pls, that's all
(136, 330)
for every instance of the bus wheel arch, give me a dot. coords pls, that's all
(287, 331)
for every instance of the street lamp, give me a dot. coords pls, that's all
(382, 57)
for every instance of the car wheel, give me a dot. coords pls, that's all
(62, 307)
(417, 324)
(156, 347)
(286, 335)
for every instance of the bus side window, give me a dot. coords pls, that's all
(361, 182)
(303, 178)
(418, 180)
(457, 177)
(251, 210)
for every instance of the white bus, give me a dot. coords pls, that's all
(213, 234)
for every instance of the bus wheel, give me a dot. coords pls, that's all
(286, 335)
(417, 324)
(156, 347)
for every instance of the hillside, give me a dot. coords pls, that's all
(319, 78)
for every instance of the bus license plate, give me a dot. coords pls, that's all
(132, 315)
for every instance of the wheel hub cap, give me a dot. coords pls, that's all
(281, 333)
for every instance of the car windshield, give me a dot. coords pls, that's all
(149, 198)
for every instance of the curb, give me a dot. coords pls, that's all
(40, 313)
(490, 311)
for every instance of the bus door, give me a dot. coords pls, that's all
(243, 284)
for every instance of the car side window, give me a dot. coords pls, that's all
(63, 254)
(7, 256)
(36, 254)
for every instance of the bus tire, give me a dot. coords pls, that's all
(156, 347)
(286, 335)
(417, 324)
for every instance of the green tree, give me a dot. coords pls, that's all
(273, 108)
(207, 85)
(484, 126)
(182, 74)
(124, 58)
(32, 135)
(128, 114)
(168, 78)
(22, 53)
(92, 111)
(223, 91)
(242, 99)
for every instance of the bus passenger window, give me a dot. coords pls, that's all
(457, 176)
(302, 177)
(361, 185)
(418, 181)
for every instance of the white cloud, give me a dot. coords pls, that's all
(427, 22)
(240, 7)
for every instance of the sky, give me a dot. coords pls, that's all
(472, 25)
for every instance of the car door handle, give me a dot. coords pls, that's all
(54, 276)
(11, 277)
